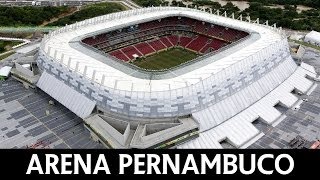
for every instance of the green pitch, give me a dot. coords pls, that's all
(166, 59)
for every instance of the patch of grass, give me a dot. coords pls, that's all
(7, 45)
(306, 44)
(15, 34)
(6, 55)
(166, 59)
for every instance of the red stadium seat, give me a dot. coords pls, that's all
(144, 48)
(208, 37)
(215, 31)
(184, 41)
(198, 43)
(130, 51)
(118, 54)
(157, 45)
(169, 41)
(214, 45)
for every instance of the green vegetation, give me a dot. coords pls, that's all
(28, 16)
(177, 3)
(166, 59)
(7, 45)
(287, 17)
(310, 3)
(214, 5)
(89, 11)
(13, 34)
(6, 55)
(36, 16)
(306, 44)
(148, 3)
(229, 7)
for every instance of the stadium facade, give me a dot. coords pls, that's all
(213, 98)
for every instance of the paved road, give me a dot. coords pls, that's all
(26, 29)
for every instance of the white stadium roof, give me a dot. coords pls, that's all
(237, 86)
(5, 71)
(313, 37)
(59, 44)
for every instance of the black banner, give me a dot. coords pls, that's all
(91, 163)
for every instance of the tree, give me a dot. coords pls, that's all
(230, 8)
(148, 3)
(174, 3)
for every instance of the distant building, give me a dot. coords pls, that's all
(5, 72)
(313, 38)
(297, 37)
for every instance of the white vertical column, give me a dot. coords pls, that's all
(69, 62)
(77, 66)
(49, 50)
(115, 84)
(94, 75)
(85, 71)
(55, 54)
(240, 17)
(103, 79)
(225, 14)
(62, 57)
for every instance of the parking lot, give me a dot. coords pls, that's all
(27, 120)
(303, 122)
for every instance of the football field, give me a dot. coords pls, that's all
(166, 59)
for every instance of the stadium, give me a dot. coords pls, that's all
(172, 77)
